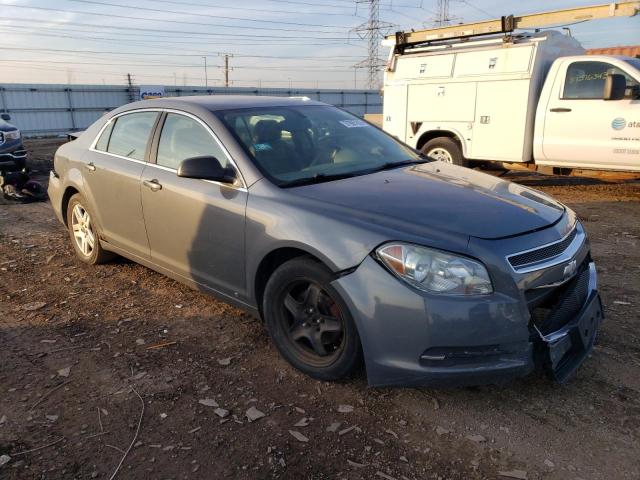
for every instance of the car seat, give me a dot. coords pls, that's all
(271, 152)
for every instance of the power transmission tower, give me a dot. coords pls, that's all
(373, 30)
(442, 18)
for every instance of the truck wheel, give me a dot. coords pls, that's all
(446, 150)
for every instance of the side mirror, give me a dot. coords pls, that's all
(614, 86)
(6, 117)
(206, 168)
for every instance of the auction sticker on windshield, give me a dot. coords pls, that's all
(353, 123)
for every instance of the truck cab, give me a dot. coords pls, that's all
(12, 153)
(579, 123)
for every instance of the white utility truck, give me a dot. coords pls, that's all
(486, 92)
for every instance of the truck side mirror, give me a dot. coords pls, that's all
(614, 86)
(6, 117)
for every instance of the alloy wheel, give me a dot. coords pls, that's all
(83, 233)
(312, 322)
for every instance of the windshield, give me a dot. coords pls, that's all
(634, 62)
(313, 143)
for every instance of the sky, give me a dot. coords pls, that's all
(270, 43)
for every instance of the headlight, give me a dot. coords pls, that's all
(12, 135)
(435, 271)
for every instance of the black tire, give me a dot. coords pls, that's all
(20, 164)
(97, 254)
(448, 145)
(299, 281)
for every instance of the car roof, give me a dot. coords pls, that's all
(222, 102)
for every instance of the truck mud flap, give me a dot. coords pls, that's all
(566, 349)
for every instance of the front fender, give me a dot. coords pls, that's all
(341, 238)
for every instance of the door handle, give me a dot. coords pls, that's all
(560, 110)
(154, 185)
(91, 167)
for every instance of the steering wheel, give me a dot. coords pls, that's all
(326, 149)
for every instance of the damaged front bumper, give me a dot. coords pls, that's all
(415, 338)
(564, 350)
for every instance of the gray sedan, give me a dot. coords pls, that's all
(353, 248)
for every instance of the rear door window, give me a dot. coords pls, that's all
(130, 134)
(103, 141)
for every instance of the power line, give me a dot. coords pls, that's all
(180, 32)
(294, 2)
(92, 72)
(147, 9)
(178, 65)
(247, 9)
(180, 54)
(128, 41)
(488, 14)
(130, 17)
(249, 80)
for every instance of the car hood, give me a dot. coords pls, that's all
(441, 196)
(6, 126)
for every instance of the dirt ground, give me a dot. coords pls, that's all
(77, 348)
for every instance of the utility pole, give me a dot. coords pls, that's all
(130, 87)
(227, 69)
(206, 77)
(373, 31)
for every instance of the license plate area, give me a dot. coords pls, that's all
(568, 348)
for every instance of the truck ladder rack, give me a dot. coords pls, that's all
(508, 24)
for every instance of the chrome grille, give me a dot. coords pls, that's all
(543, 253)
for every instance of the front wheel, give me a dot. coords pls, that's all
(446, 150)
(309, 322)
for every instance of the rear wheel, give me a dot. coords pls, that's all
(446, 150)
(84, 232)
(309, 322)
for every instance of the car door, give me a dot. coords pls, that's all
(112, 173)
(195, 227)
(583, 129)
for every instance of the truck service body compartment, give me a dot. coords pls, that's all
(480, 90)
